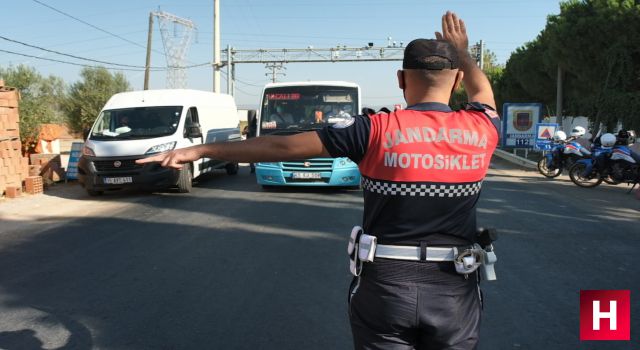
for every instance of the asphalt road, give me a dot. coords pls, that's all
(233, 267)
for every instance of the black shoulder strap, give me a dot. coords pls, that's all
(476, 106)
(487, 111)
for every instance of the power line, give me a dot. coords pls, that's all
(224, 74)
(95, 27)
(134, 69)
(245, 92)
(249, 84)
(73, 56)
(89, 24)
(72, 63)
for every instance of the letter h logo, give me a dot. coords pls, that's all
(605, 315)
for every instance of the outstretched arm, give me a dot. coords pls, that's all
(475, 81)
(259, 149)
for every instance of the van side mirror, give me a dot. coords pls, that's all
(194, 131)
(85, 133)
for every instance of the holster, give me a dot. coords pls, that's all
(361, 248)
(487, 270)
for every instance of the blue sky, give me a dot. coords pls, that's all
(504, 25)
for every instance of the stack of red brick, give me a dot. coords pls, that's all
(49, 166)
(14, 168)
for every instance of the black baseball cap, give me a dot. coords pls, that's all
(430, 54)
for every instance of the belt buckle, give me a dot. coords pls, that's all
(423, 251)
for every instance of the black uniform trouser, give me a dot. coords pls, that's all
(399, 305)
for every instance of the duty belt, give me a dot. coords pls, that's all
(400, 252)
(467, 259)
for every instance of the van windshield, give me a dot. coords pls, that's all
(136, 123)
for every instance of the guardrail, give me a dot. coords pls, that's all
(515, 159)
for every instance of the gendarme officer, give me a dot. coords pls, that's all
(417, 252)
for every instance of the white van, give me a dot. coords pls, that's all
(136, 124)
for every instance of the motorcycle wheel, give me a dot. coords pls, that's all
(550, 173)
(575, 173)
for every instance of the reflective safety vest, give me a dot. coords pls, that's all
(422, 170)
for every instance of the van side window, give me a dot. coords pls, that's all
(193, 111)
(190, 119)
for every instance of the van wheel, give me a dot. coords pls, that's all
(232, 168)
(185, 179)
(94, 193)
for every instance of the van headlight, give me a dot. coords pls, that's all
(165, 147)
(87, 151)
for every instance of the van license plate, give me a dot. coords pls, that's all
(118, 180)
(305, 175)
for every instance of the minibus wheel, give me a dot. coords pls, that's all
(232, 168)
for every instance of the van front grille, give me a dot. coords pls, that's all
(117, 165)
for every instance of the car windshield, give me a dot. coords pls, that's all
(136, 123)
(293, 109)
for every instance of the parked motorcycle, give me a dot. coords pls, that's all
(564, 153)
(612, 161)
(623, 166)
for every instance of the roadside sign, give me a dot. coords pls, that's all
(74, 157)
(519, 122)
(544, 132)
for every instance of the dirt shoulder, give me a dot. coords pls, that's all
(56, 206)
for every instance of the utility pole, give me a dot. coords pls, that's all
(482, 55)
(175, 47)
(233, 79)
(477, 51)
(216, 46)
(275, 67)
(229, 71)
(147, 65)
(559, 98)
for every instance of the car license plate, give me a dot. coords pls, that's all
(118, 180)
(306, 175)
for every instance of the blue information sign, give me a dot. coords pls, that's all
(519, 120)
(74, 157)
(544, 133)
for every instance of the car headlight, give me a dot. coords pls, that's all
(269, 164)
(165, 147)
(344, 162)
(87, 151)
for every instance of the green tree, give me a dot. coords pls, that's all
(527, 76)
(40, 101)
(87, 96)
(597, 46)
(492, 69)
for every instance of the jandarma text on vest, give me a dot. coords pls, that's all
(435, 161)
(427, 134)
